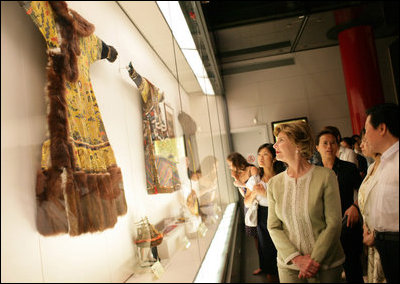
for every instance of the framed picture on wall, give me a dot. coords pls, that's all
(169, 117)
(276, 123)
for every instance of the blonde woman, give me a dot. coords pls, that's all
(304, 211)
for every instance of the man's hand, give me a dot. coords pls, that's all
(352, 216)
(368, 236)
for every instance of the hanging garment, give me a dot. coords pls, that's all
(79, 186)
(161, 172)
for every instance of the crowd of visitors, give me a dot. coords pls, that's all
(327, 205)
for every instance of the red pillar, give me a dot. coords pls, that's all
(360, 67)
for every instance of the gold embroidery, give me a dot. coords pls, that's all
(42, 14)
(84, 118)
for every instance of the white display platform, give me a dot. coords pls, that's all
(172, 241)
(183, 266)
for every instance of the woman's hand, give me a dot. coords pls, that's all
(308, 266)
(238, 184)
(259, 189)
(352, 216)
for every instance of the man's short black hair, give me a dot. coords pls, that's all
(387, 113)
(335, 131)
(349, 141)
(326, 131)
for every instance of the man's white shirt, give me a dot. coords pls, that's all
(385, 205)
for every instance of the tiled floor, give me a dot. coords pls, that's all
(248, 255)
(250, 262)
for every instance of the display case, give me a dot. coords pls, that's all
(197, 143)
(175, 183)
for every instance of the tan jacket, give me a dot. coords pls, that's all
(323, 220)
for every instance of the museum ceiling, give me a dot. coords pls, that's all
(241, 31)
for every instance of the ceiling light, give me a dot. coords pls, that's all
(176, 20)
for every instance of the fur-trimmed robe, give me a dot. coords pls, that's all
(79, 186)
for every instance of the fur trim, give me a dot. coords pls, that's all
(83, 206)
(72, 198)
(72, 26)
(117, 184)
(69, 45)
(57, 117)
(67, 201)
(81, 25)
(51, 218)
(95, 212)
(80, 179)
(109, 206)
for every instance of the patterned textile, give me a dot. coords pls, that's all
(79, 187)
(374, 270)
(160, 151)
(152, 112)
(167, 174)
(295, 213)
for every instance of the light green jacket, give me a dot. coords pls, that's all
(325, 218)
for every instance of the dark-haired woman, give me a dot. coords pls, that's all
(268, 168)
(244, 174)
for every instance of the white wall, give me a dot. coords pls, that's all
(312, 87)
(108, 256)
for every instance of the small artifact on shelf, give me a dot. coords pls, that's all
(147, 234)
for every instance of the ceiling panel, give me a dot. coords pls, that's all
(258, 34)
(314, 34)
(251, 30)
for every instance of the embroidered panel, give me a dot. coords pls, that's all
(160, 150)
(295, 213)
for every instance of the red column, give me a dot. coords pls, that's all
(360, 67)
